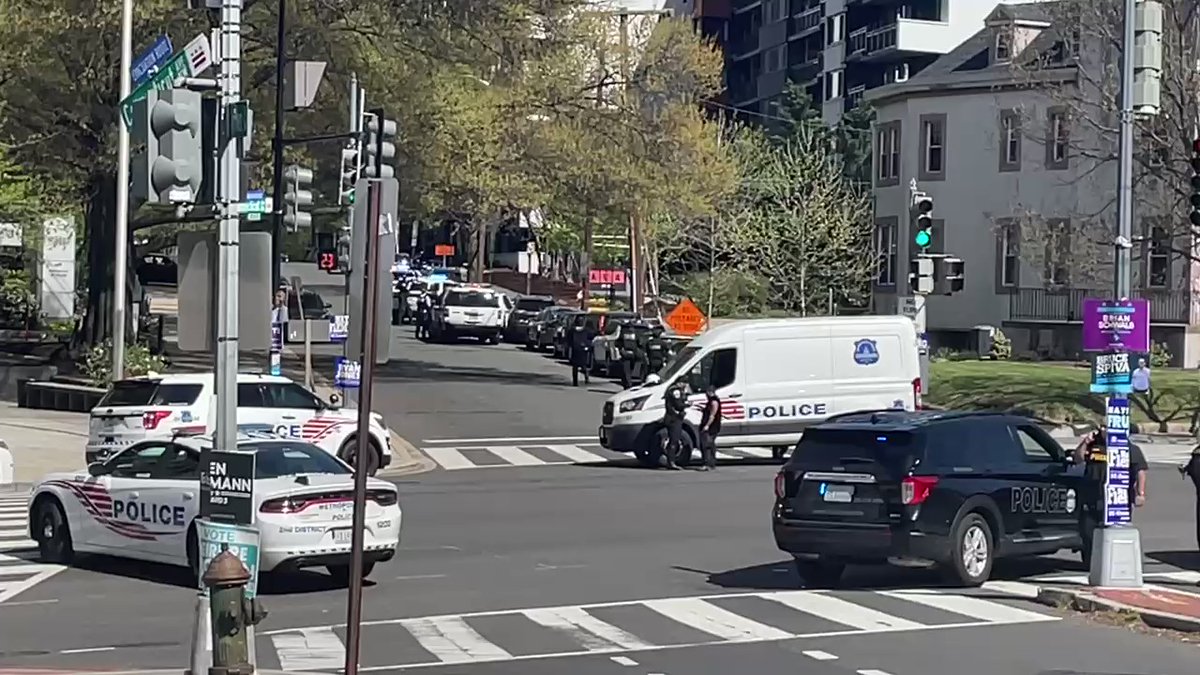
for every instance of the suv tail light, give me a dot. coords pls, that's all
(914, 490)
(151, 418)
(916, 384)
(780, 485)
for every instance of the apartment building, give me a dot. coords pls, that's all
(1014, 195)
(836, 49)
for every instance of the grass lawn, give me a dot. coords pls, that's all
(1058, 392)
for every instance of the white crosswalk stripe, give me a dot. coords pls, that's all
(490, 456)
(644, 625)
(19, 569)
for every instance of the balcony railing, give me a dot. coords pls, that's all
(866, 41)
(1066, 305)
(804, 22)
(805, 71)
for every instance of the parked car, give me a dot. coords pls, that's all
(528, 308)
(542, 324)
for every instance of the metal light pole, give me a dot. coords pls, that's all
(121, 234)
(371, 268)
(277, 148)
(1123, 267)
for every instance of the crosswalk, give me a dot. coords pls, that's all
(641, 625)
(485, 456)
(19, 569)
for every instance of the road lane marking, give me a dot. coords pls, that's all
(819, 655)
(309, 649)
(513, 455)
(411, 577)
(11, 589)
(761, 453)
(624, 661)
(840, 611)
(976, 608)
(585, 629)
(449, 458)
(709, 618)
(511, 439)
(88, 650)
(576, 454)
(1015, 588)
(453, 641)
(872, 671)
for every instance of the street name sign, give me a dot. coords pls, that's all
(195, 58)
(152, 58)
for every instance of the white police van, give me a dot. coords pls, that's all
(142, 502)
(164, 406)
(774, 378)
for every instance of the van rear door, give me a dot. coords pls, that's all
(875, 366)
(849, 475)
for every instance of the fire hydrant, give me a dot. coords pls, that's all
(226, 579)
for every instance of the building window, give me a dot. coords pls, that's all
(834, 83)
(835, 28)
(1008, 255)
(1002, 50)
(933, 147)
(885, 248)
(887, 154)
(1010, 140)
(896, 73)
(774, 10)
(774, 59)
(1058, 252)
(1058, 139)
(1158, 260)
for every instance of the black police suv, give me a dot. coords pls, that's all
(953, 489)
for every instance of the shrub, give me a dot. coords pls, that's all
(1001, 346)
(97, 363)
(1160, 356)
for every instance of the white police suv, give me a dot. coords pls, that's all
(142, 501)
(165, 406)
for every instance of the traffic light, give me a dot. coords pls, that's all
(327, 260)
(377, 166)
(350, 169)
(922, 208)
(297, 197)
(948, 277)
(920, 275)
(1195, 197)
(170, 170)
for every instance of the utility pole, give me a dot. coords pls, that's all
(1123, 254)
(277, 147)
(121, 233)
(226, 365)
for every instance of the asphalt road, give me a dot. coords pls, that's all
(594, 569)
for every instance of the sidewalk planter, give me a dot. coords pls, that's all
(45, 395)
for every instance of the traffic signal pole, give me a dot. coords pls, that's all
(121, 231)
(277, 148)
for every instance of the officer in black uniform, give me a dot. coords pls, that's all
(1093, 452)
(676, 407)
(627, 345)
(1192, 470)
(424, 314)
(581, 349)
(710, 426)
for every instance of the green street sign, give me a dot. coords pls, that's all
(164, 78)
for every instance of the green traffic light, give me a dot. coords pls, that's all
(923, 238)
(350, 197)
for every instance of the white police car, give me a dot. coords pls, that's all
(141, 504)
(164, 406)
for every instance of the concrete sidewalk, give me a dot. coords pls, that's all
(1157, 606)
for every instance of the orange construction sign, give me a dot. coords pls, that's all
(443, 250)
(686, 318)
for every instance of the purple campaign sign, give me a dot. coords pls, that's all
(1116, 324)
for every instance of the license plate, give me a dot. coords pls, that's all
(341, 536)
(841, 494)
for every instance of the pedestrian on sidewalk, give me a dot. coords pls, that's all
(1192, 470)
(710, 426)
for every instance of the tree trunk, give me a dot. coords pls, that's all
(100, 233)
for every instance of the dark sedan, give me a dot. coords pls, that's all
(528, 308)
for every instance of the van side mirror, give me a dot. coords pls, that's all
(335, 401)
(96, 469)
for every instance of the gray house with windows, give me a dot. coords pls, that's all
(989, 137)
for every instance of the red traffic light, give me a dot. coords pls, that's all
(327, 260)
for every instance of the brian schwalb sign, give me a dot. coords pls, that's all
(227, 487)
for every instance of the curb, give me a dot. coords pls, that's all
(409, 461)
(1086, 602)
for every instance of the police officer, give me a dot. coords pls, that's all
(424, 314)
(1093, 452)
(676, 407)
(581, 349)
(710, 426)
(1192, 470)
(627, 344)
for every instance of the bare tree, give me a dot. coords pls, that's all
(1076, 65)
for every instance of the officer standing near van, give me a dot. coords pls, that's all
(581, 348)
(675, 408)
(710, 426)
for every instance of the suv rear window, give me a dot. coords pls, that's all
(533, 304)
(841, 447)
(149, 393)
(458, 299)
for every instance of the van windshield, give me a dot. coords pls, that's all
(676, 365)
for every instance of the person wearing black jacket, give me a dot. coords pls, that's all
(676, 408)
(1192, 470)
(581, 350)
(710, 426)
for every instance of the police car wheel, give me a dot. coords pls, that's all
(53, 533)
(974, 551)
(820, 573)
(350, 449)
